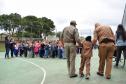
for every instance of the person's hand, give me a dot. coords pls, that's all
(62, 43)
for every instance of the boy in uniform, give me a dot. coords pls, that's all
(86, 57)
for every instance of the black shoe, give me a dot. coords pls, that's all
(116, 66)
(75, 75)
(108, 77)
(100, 74)
(81, 75)
(87, 77)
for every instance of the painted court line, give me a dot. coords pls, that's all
(41, 68)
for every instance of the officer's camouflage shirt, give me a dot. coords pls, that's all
(102, 32)
(70, 34)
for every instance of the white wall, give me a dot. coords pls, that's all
(124, 18)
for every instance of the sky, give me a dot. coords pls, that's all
(85, 12)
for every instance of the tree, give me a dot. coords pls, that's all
(28, 23)
(5, 22)
(36, 25)
(15, 20)
(47, 26)
(10, 22)
(14, 23)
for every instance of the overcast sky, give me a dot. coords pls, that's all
(85, 12)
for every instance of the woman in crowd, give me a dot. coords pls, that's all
(36, 48)
(120, 43)
(42, 50)
(12, 43)
(16, 48)
(7, 47)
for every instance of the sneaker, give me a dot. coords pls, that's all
(100, 74)
(75, 75)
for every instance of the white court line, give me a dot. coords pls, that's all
(41, 68)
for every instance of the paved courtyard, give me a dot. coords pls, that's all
(52, 71)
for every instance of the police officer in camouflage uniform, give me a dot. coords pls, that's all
(106, 39)
(69, 37)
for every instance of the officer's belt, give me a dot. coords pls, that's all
(69, 42)
(106, 40)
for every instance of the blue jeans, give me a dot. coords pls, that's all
(46, 53)
(60, 53)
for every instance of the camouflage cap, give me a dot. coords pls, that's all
(97, 24)
(73, 22)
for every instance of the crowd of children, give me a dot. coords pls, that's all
(35, 48)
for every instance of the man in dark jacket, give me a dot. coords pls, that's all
(7, 47)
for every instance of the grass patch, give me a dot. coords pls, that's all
(2, 47)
